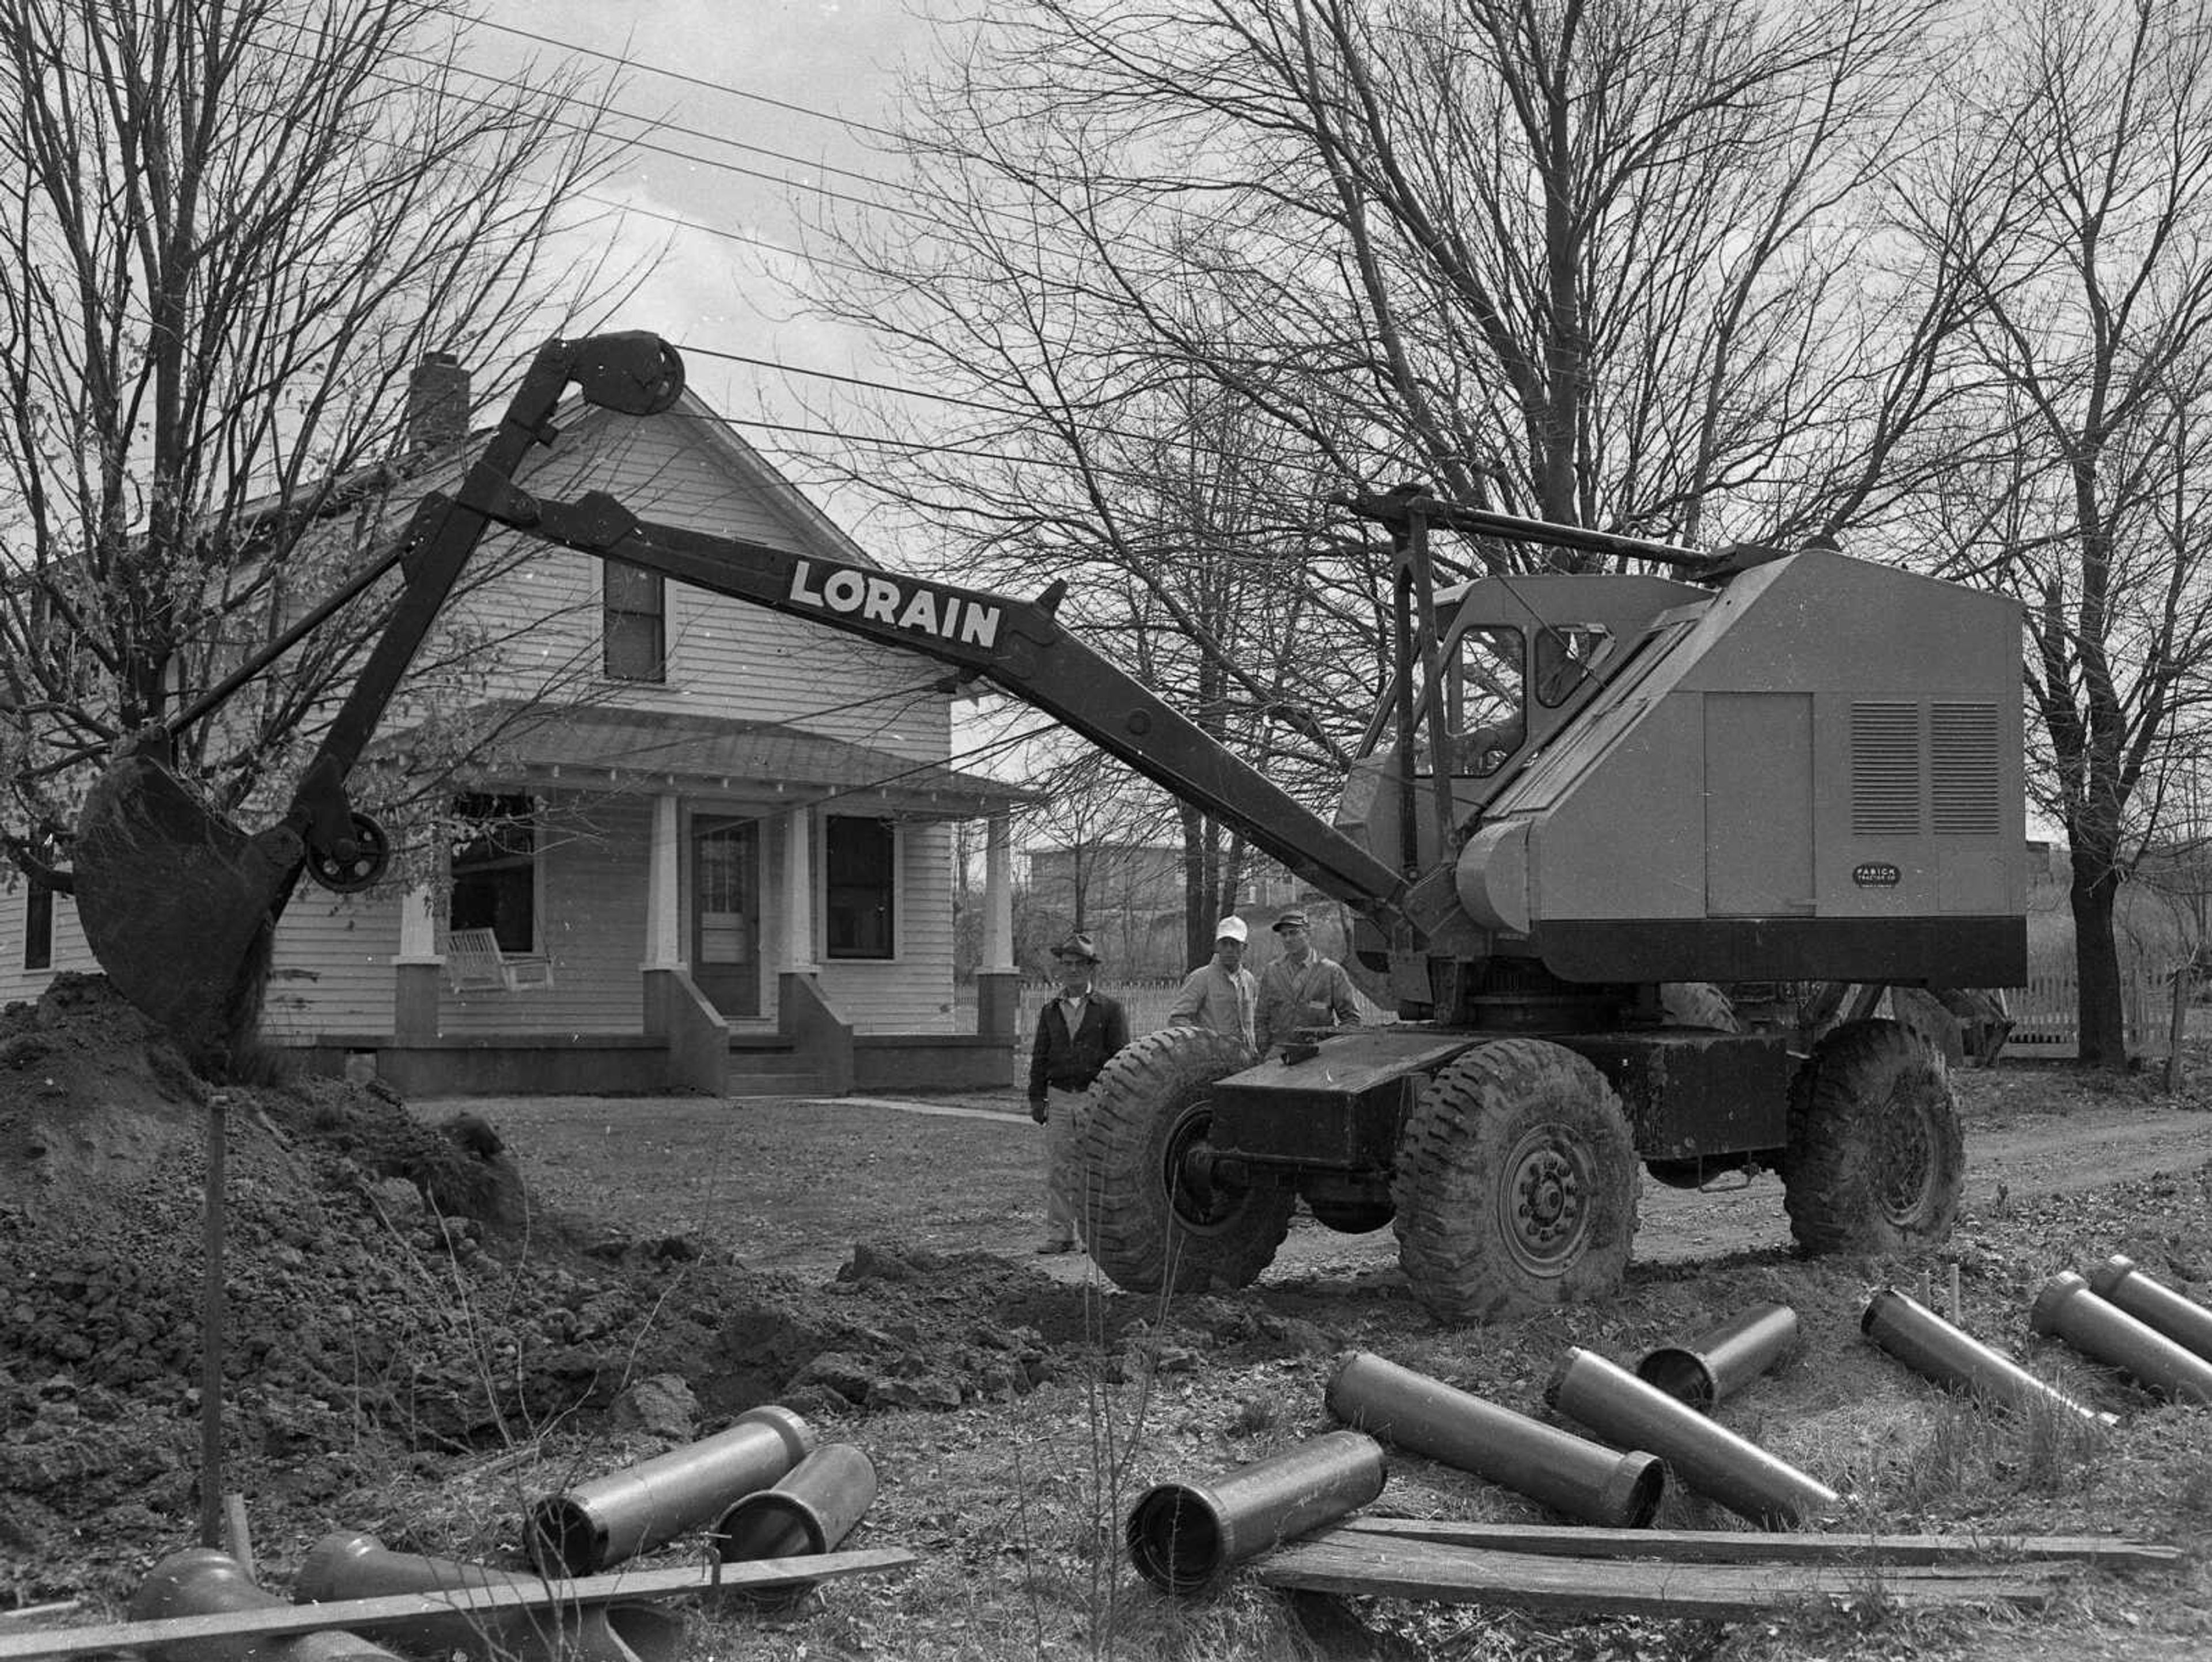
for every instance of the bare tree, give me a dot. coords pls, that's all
(2076, 200)
(1596, 262)
(233, 228)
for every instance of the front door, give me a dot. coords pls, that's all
(726, 914)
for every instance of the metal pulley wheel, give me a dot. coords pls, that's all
(350, 872)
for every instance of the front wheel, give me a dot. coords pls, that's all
(1516, 1184)
(1148, 1218)
(1876, 1159)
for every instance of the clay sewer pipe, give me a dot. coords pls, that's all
(812, 1508)
(1422, 1414)
(202, 1581)
(1701, 1453)
(353, 1565)
(1184, 1537)
(2189, 1325)
(1716, 1365)
(1936, 1350)
(2067, 1309)
(582, 1530)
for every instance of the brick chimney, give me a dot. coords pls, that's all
(437, 404)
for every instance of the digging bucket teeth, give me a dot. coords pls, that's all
(177, 903)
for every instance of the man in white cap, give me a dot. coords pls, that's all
(1301, 989)
(1220, 993)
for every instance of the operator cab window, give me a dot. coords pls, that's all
(1486, 696)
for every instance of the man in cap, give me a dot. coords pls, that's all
(1220, 993)
(1075, 1034)
(1301, 989)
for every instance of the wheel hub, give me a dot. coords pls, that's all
(1544, 1183)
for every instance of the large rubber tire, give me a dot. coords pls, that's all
(1141, 1223)
(1876, 1159)
(1516, 1184)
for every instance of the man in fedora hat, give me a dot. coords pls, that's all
(1076, 1033)
(1301, 989)
(1220, 993)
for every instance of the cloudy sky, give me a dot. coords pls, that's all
(740, 104)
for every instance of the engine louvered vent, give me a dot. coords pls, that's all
(1885, 769)
(1963, 767)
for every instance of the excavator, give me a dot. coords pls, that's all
(1582, 801)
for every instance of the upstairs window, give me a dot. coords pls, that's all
(858, 858)
(495, 869)
(633, 629)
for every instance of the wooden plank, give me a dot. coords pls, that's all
(1683, 1546)
(372, 1613)
(1341, 1562)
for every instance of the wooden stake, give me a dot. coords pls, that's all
(237, 1541)
(211, 1319)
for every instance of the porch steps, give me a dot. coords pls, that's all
(768, 1065)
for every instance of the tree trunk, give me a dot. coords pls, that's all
(2097, 966)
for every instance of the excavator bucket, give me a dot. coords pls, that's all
(178, 904)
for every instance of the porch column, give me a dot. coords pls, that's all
(663, 913)
(416, 969)
(998, 981)
(799, 892)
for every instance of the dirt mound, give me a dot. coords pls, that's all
(391, 1294)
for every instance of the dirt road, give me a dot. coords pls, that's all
(728, 1170)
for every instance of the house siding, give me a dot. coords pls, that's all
(532, 631)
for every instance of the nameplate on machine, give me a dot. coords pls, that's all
(901, 603)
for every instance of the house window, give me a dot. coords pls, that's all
(857, 869)
(633, 627)
(495, 869)
(37, 927)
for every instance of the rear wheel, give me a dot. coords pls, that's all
(1876, 1159)
(1516, 1184)
(1146, 1219)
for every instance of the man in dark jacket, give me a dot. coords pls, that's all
(1076, 1033)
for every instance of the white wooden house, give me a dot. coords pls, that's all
(711, 844)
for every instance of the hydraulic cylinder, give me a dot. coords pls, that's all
(1713, 1366)
(353, 1565)
(1701, 1453)
(1934, 1348)
(1184, 1537)
(1569, 1474)
(584, 1530)
(2189, 1325)
(2067, 1309)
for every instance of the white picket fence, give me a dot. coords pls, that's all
(2045, 1021)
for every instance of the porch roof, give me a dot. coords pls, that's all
(596, 746)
